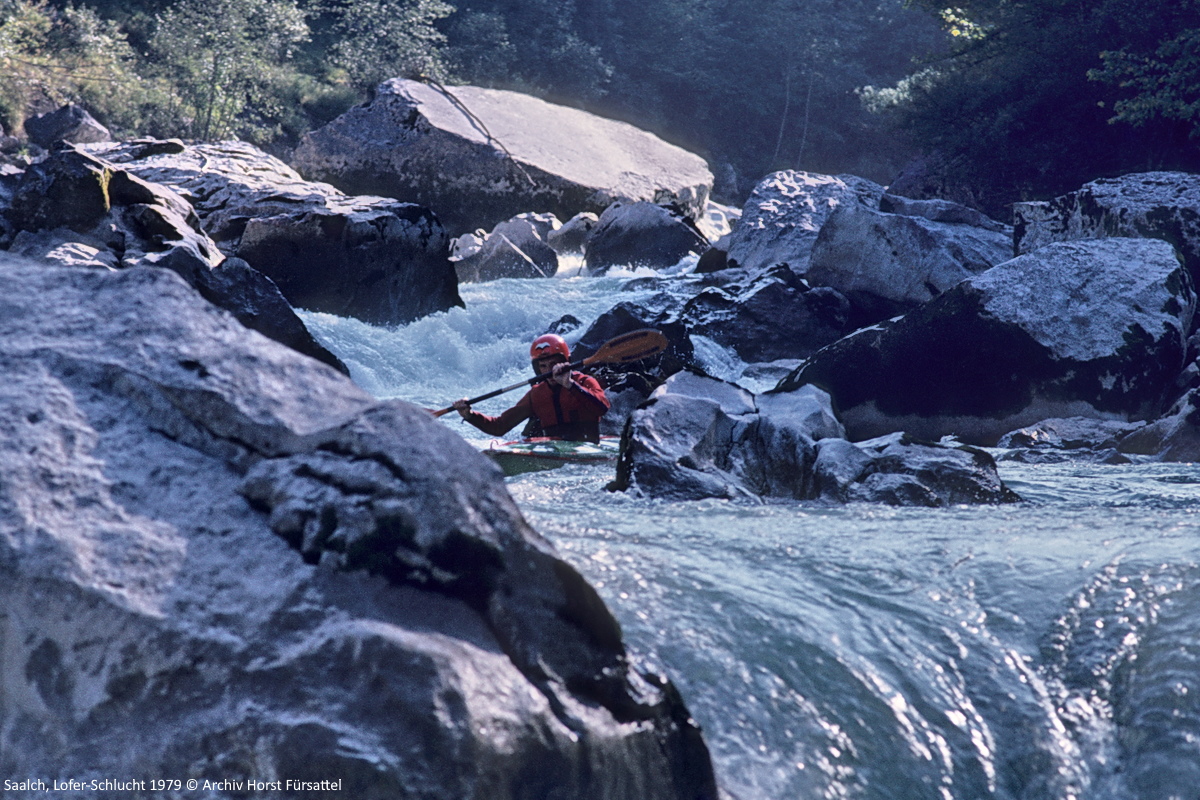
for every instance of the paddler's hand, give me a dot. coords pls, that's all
(462, 407)
(561, 374)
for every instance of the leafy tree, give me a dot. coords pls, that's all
(379, 39)
(50, 56)
(226, 59)
(1013, 111)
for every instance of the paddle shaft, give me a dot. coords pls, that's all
(543, 377)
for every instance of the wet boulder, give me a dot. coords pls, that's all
(480, 156)
(701, 437)
(1175, 436)
(372, 258)
(1158, 205)
(641, 235)
(1070, 439)
(775, 315)
(225, 561)
(889, 263)
(516, 248)
(1095, 329)
(70, 123)
(781, 219)
(572, 235)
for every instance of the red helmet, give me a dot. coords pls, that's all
(549, 344)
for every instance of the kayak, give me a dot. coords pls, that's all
(530, 455)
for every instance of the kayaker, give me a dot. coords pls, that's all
(568, 405)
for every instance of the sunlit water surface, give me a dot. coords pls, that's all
(1048, 649)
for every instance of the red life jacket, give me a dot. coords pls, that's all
(572, 412)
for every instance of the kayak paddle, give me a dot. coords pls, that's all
(623, 349)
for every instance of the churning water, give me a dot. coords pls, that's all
(1044, 650)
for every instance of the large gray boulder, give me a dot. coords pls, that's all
(889, 263)
(480, 156)
(367, 257)
(1091, 328)
(224, 561)
(785, 212)
(1157, 205)
(700, 437)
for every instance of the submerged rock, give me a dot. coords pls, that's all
(1071, 439)
(222, 560)
(1094, 329)
(480, 156)
(700, 437)
(367, 257)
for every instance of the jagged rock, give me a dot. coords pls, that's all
(516, 248)
(480, 156)
(75, 209)
(1157, 205)
(781, 219)
(368, 257)
(570, 238)
(1071, 439)
(775, 315)
(69, 123)
(889, 263)
(1094, 329)
(641, 235)
(222, 561)
(700, 437)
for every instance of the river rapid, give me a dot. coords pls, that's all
(1046, 649)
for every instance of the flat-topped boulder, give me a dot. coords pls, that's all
(1090, 328)
(372, 258)
(480, 156)
(221, 560)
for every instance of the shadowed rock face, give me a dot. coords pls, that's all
(223, 560)
(1094, 329)
(480, 156)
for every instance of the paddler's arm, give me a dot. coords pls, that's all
(590, 390)
(499, 425)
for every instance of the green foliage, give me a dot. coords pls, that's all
(1021, 108)
(227, 61)
(50, 56)
(381, 39)
(1165, 85)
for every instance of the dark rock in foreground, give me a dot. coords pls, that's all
(480, 156)
(223, 561)
(367, 257)
(700, 437)
(1095, 329)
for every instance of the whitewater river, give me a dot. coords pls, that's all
(1048, 649)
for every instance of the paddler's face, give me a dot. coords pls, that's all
(546, 363)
